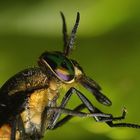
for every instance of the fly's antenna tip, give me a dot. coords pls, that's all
(61, 13)
(78, 15)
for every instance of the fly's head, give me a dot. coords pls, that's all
(59, 65)
(68, 70)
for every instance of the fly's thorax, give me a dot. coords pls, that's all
(36, 104)
(25, 80)
(55, 84)
(33, 109)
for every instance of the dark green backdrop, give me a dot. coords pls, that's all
(107, 47)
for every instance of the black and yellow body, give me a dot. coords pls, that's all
(27, 94)
(28, 100)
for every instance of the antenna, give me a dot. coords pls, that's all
(68, 43)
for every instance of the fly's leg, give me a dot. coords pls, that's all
(85, 101)
(109, 121)
(76, 112)
(70, 112)
(68, 117)
(13, 130)
(17, 129)
(61, 122)
(130, 125)
(65, 100)
(20, 128)
(108, 118)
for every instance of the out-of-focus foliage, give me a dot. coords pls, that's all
(107, 47)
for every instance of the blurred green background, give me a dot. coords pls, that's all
(107, 47)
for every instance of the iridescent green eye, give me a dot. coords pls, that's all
(61, 65)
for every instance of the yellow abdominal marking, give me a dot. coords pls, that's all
(5, 132)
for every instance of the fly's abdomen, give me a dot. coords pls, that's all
(5, 132)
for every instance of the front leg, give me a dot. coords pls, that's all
(66, 98)
(98, 115)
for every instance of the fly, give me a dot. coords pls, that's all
(28, 100)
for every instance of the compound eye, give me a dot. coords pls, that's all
(60, 65)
